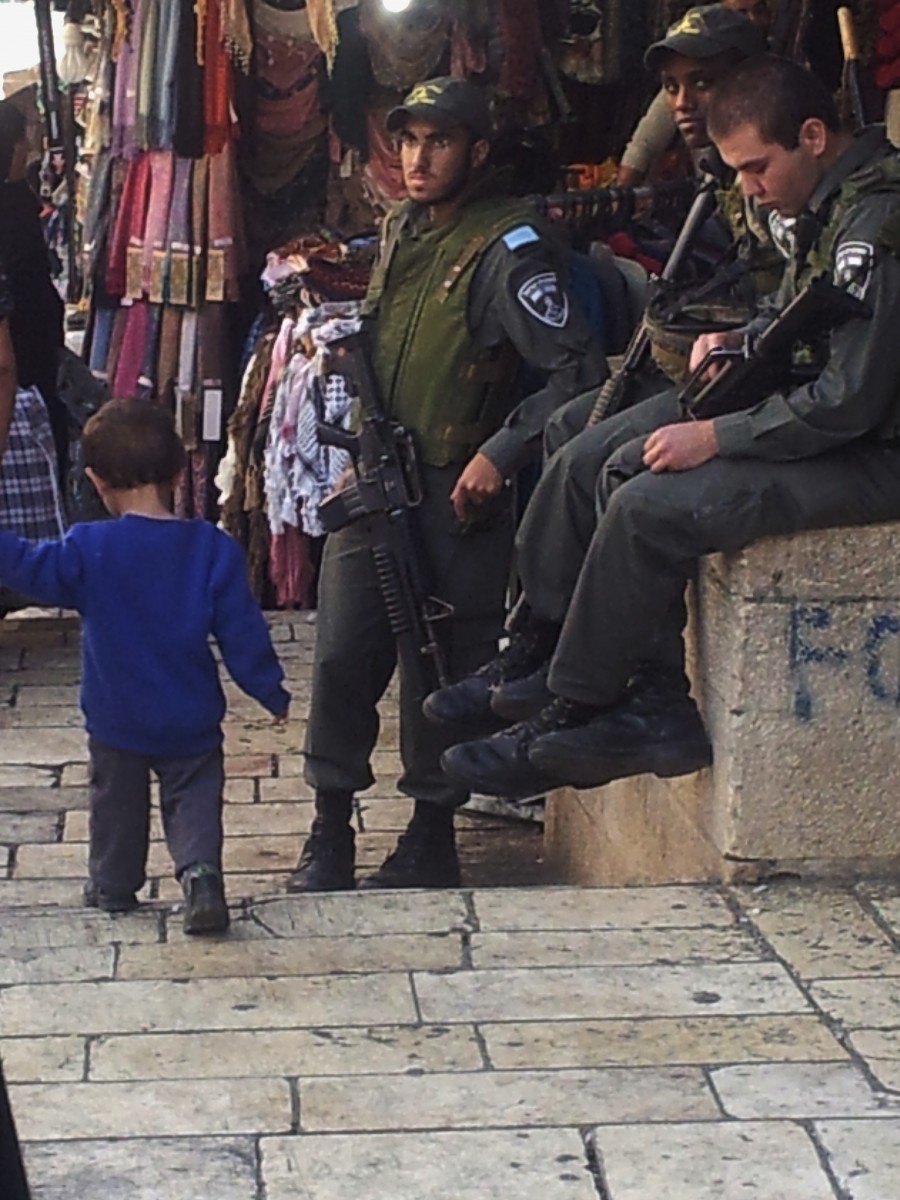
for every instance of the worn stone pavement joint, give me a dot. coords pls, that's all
(825, 1160)
(595, 1163)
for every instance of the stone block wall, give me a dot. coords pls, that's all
(794, 648)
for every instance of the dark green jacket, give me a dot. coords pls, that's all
(458, 309)
(850, 233)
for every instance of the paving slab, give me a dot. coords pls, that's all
(349, 914)
(660, 1040)
(601, 908)
(41, 797)
(158, 1108)
(25, 964)
(163, 1005)
(490, 1165)
(822, 931)
(772, 1160)
(378, 1050)
(864, 1003)
(17, 827)
(268, 956)
(864, 1156)
(35, 928)
(517, 1099)
(799, 1091)
(579, 948)
(560, 994)
(43, 1060)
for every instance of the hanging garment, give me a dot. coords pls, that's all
(178, 266)
(131, 354)
(31, 504)
(288, 83)
(350, 84)
(520, 32)
(406, 47)
(128, 230)
(187, 136)
(323, 25)
(236, 35)
(300, 471)
(217, 91)
(162, 176)
(126, 87)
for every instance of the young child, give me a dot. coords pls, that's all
(151, 589)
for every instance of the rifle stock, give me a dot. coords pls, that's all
(386, 491)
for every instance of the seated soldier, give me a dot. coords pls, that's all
(656, 130)
(624, 511)
(695, 54)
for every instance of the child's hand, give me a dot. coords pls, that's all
(281, 718)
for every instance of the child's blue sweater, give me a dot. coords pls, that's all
(151, 592)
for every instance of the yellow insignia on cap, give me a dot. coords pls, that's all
(691, 22)
(424, 93)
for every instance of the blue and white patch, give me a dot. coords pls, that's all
(853, 267)
(543, 297)
(523, 235)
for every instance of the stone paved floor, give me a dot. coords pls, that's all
(536, 1043)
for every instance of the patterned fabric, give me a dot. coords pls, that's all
(30, 500)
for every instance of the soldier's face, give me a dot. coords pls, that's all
(771, 174)
(688, 85)
(438, 161)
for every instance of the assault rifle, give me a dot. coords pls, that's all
(387, 491)
(616, 392)
(754, 370)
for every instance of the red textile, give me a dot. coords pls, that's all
(216, 83)
(129, 222)
(291, 568)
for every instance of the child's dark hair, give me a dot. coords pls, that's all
(133, 442)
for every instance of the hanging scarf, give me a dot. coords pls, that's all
(131, 355)
(179, 233)
(323, 24)
(187, 136)
(216, 84)
(225, 231)
(162, 174)
(520, 32)
(129, 224)
(125, 95)
(236, 35)
(146, 74)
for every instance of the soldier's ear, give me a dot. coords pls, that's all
(813, 137)
(478, 154)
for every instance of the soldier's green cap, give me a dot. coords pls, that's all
(445, 100)
(706, 31)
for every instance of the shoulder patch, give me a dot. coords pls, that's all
(543, 297)
(853, 267)
(523, 235)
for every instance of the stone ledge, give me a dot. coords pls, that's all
(794, 652)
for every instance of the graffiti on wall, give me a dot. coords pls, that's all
(813, 643)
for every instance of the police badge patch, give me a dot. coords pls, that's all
(543, 297)
(853, 267)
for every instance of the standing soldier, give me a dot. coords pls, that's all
(467, 287)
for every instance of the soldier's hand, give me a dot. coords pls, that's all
(681, 447)
(479, 481)
(730, 339)
(345, 478)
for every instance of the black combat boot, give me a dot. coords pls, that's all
(96, 897)
(205, 910)
(655, 729)
(500, 765)
(328, 854)
(521, 699)
(467, 704)
(425, 855)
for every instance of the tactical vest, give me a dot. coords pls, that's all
(433, 378)
(882, 175)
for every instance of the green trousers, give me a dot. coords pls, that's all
(355, 652)
(606, 547)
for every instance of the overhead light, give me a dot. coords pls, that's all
(396, 6)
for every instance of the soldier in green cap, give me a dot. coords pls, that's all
(624, 511)
(468, 287)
